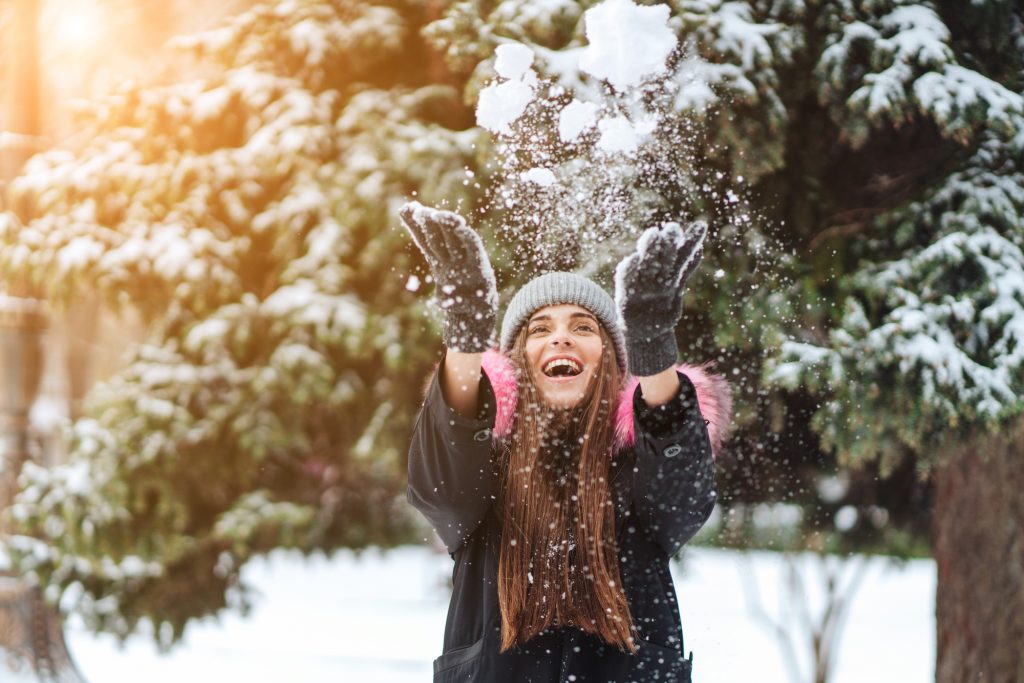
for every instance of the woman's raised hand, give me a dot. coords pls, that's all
(463, 277)
(649, 292)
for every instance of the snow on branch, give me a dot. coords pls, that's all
(927, 343)
(891, 68)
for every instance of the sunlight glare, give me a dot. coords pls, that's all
(75, 25)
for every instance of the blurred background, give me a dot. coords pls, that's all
(214, 338)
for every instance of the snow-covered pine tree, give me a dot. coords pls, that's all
(923, 354)
(882, 139)
(248, 216)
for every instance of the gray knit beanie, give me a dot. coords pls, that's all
(563, 288)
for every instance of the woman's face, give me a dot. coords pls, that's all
(563, 350)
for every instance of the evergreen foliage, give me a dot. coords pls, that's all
(928, 344)
(249, 218)
(868, 275)
(860, 165)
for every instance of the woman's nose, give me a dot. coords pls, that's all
(561, 338)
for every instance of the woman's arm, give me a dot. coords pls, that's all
(674, 482)
(465, 291)
(674, 477)
(460, 381)
(452, 480)
(659, 389)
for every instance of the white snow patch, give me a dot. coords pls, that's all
(540, 176)
(362, 604)
(575, 118)
(617, 135)
(628, 43)
(307, 37)
(157, 408)
(512, 60)
(210, 105)
(645, 124)
(205, 332)
(501, 105)
(79, 252)
(77, 479)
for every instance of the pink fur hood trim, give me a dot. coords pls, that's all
(714, 397)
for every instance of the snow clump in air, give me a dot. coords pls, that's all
(592, 142)
(617, 135)
(502, 104)
(628, 43)
(575, 118)
(539, 176)
(585, 125)
(513, 60)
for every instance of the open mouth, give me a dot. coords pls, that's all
(562, 367)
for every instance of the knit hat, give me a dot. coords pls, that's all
(563, 288)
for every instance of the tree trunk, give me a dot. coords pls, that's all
(22, 46)
(979, 550)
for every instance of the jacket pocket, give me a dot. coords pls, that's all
(457, 656)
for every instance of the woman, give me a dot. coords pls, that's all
(559, 487)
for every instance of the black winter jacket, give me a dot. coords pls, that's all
(663, 489)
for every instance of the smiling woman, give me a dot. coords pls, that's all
(563, 350)
(560, 523)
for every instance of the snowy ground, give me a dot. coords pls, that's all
(379, 617)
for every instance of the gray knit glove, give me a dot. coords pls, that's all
(465, 286)
(649, 293)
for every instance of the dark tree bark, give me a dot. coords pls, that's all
(979, 550)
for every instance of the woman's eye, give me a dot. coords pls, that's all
(539, 328)
(584, 328)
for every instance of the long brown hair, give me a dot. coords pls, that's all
(559, 562)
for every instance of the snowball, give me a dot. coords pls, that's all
(413, 283)
(500, 105)
(617, 135)
(575, 118)
(628, 43)
(541, 176)
(512, 60)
